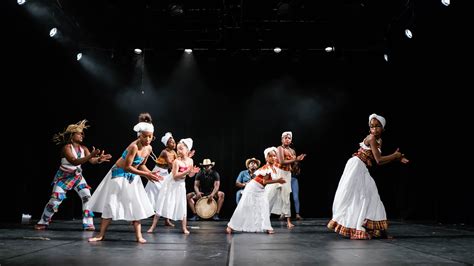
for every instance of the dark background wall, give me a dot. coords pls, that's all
(234, 105)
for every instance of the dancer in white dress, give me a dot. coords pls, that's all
(120, 195)
(171, 202)
(252, 213)
(164, 162)
(279, 195)
(358, 212)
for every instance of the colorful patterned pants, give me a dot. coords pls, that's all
(59, 194)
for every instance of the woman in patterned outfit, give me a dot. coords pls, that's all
(69, 176)
(358, 212)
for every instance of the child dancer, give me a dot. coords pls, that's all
(163, 163)
(171, 201)
(279, 195)
(252, 213)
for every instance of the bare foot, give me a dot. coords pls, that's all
(298, 217)
(168, 223)
(150, 230)
(96, 239)
(89, 228)
(40, 227)
(290, 225)
(282, 217)
(141, 240)
(270, 232)
(228, 230)
(186, 231)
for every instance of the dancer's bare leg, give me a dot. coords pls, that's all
(288, 223)
(184, 224)
(104, 224)
(220, 201)
(153, 224)
(190, 198)
(138, 232)
(168, 222)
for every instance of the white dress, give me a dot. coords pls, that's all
(121, 195)
(153, 188)
(252, 213)
(357, 208)
(171, 201)
(278, 195)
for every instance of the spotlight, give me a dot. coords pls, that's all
(445, 2)
(138, 51)
(175, 9)
(21, 2)
(53, 32)
(277, 50)
(385, 56)
(408, 33)
(78, 56)
(188, 51)
(282, 8)
(329, 49)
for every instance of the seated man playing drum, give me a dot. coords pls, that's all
(206, 184)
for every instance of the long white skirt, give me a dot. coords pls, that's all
(119, 199)
(357, 199)
(153, 188)
(171, 202)
(252, 213)
(278, 195)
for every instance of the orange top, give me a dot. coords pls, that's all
(262, 172)
(161, 161)
(365, 155)
(288, 155)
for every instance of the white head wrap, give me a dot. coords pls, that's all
(379, 118)
(287, 133)
(188, 142)
(166, 137)
(267, 150)
(143, 127)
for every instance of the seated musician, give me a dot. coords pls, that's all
(245, 176)
(206, 183)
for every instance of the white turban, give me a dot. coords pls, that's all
(379, 118)
(166, 137)
(143, 127)
(287, 133)
(267, 150)
(188, 142)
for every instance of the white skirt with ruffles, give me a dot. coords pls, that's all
(252, 213)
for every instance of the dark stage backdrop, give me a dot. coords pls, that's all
(234, 105)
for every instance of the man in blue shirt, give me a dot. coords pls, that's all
(245, 176)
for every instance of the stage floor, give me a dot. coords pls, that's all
(310, 242)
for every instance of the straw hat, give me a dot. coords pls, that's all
(206, 162)
(248, 161)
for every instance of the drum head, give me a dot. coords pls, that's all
(204, 209)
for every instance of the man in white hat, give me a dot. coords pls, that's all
(245, 176)
(206, 183)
